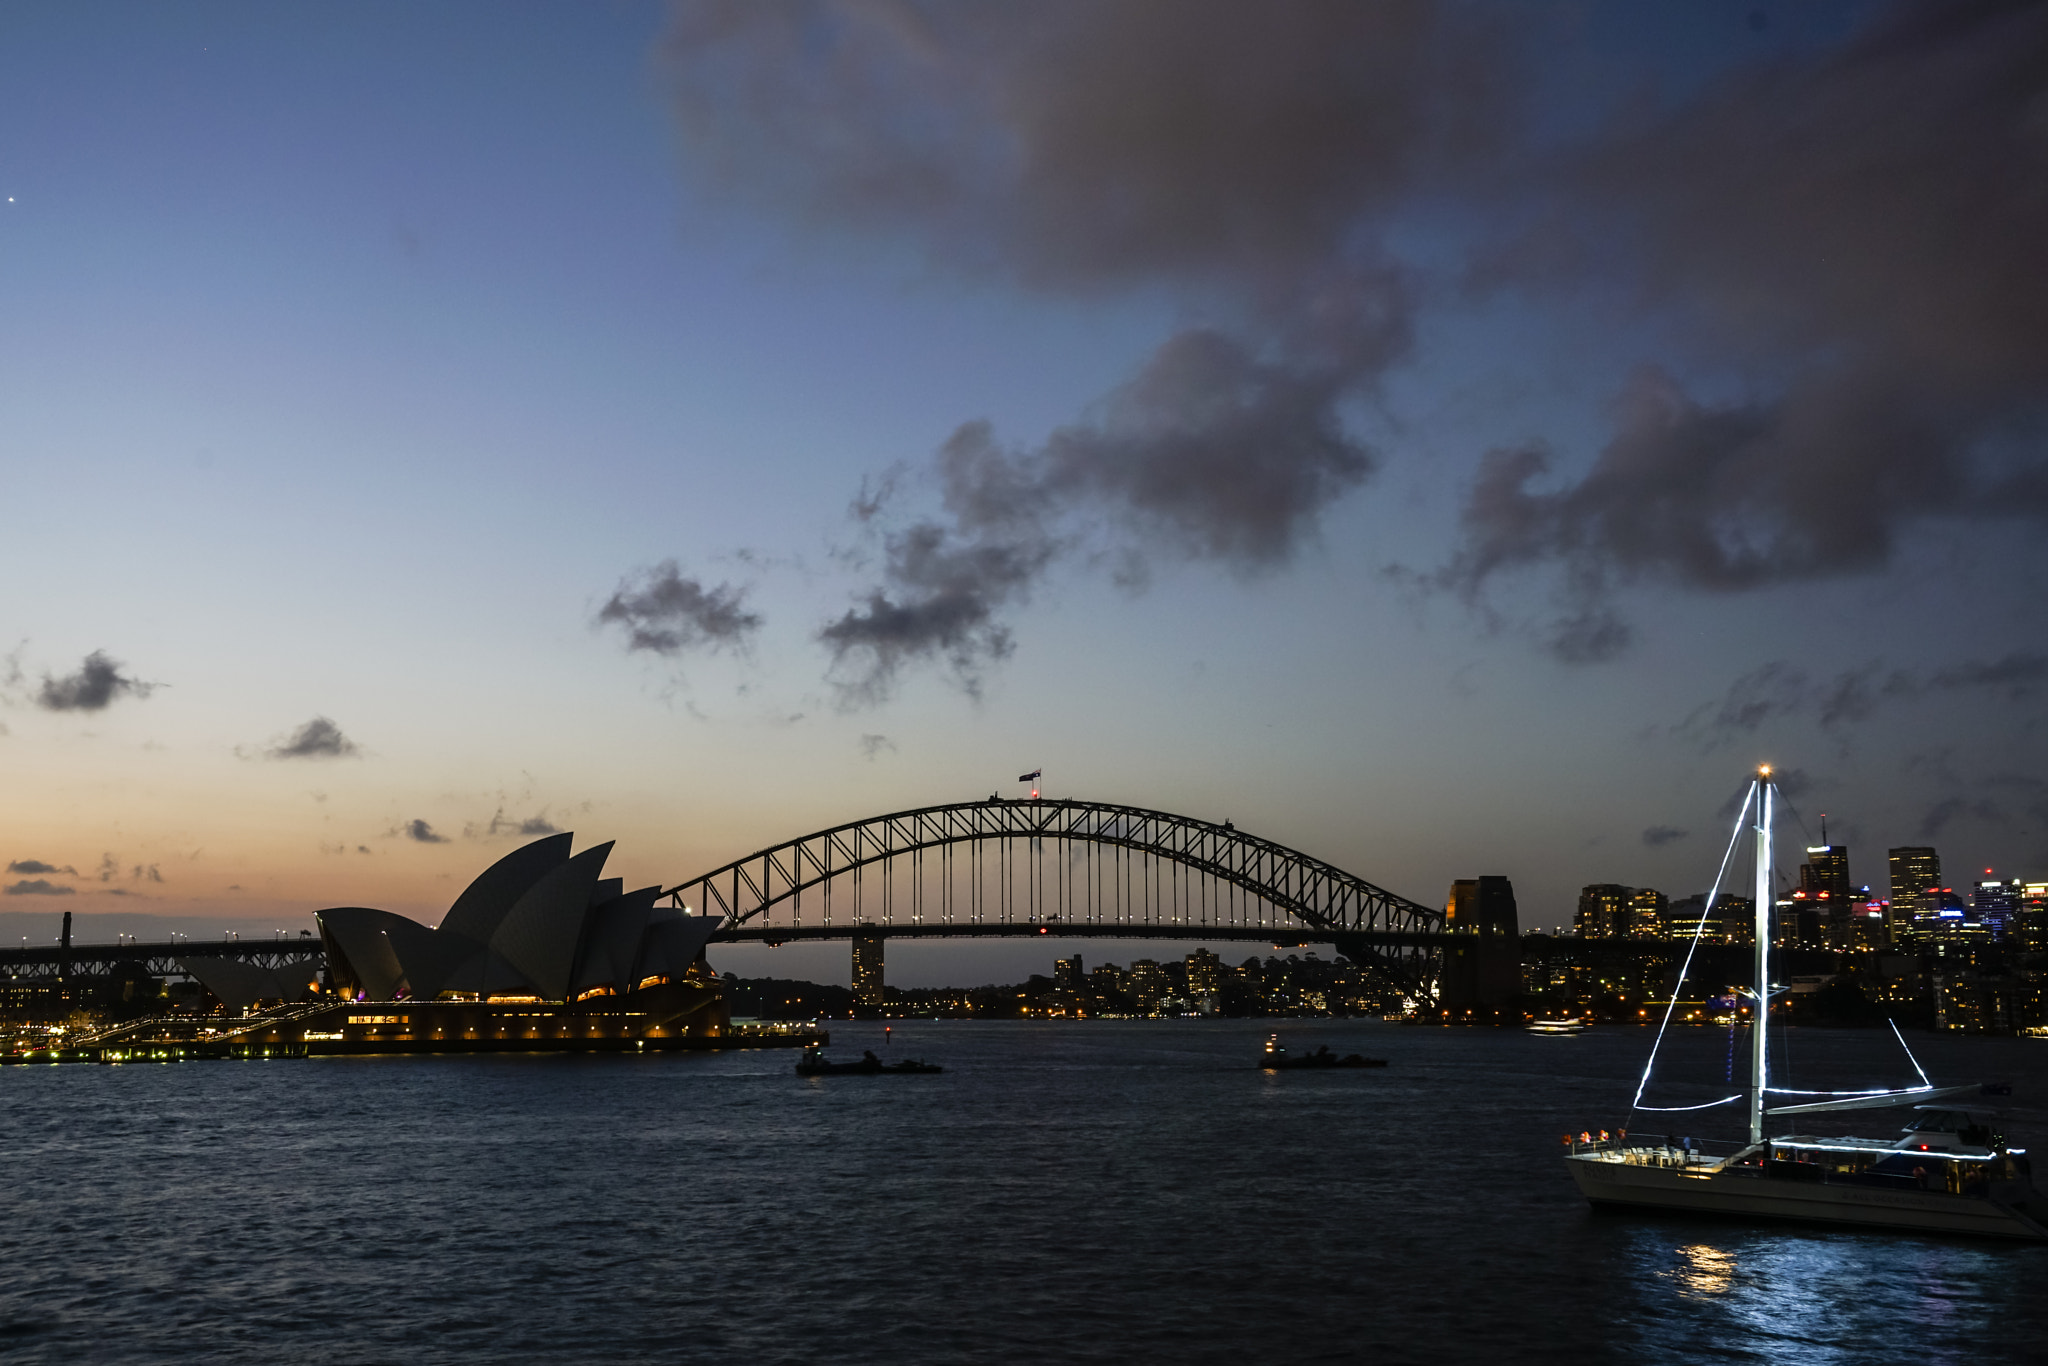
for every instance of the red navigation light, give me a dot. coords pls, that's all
(1041, 929)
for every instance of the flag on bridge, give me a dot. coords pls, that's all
(1030, 777)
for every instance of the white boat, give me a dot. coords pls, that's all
(1556, 1026)
(1950, 1171)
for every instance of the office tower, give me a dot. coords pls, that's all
(1997, 905)
(1916, 870)
(1205, 973)
(1603, 911)
(1067, 973)
(2034, 917)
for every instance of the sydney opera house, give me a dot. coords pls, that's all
(542, 951)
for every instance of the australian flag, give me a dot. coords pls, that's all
(1030, 777)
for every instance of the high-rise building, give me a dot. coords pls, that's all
(1647, 909)
(1916, 870)
(1603, 911)
(1067, 974)
(1205, 974)
(2034, 917)
(1147, 984)
(867, 970)
(1997, 905)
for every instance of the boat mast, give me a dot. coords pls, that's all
(1759, 1069)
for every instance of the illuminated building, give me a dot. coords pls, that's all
(1997, 905)
(1146, 985)
(867, 970)
(1603, 911)
(2033, 932)
(1916, 870)
(1205, 974)
(1067, 974)
(540, 950)
(1647, 909)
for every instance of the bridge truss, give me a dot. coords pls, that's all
(1067, 868)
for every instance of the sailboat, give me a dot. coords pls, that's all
(1950, 1170)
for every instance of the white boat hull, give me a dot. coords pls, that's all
(2013, 1209)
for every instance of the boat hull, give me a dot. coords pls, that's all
(2017, 1212)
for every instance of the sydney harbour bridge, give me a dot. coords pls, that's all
(1062, 868)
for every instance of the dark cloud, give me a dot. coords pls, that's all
(96, 684)
(35, 865)
(362, 848)
(1949, 809)
(1779, 690)
(318, 738)
(37, 887)
(422, 832)
(1239, 157)
(1657, 836)
(150, 873)
(1862, 224)
(665, 613)
(500, 824)
(1208, 453)
(109, 869)
(872, 745)
(940, 601)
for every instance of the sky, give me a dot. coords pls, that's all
(1443, 438)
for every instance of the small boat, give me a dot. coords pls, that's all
(1277, 1059)
(1951, 1171)
(814, 1063)
(1557, 1026)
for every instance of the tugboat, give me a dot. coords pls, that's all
(814, 1063)
(1277, 1059)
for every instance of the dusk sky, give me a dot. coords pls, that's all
(1446, 439)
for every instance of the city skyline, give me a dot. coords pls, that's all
(695, 426)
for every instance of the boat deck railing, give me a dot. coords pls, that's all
(1653, 1150)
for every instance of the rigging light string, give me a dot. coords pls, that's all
(1909, 1053)
(1678, 987)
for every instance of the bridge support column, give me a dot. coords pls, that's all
(867, 971)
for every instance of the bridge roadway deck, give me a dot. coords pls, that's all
(1070, 929)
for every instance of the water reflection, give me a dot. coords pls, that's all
(1703, 1271)
(1822, 1297)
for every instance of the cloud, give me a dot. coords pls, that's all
(36, 865)
(1778, 690)
(665, 613)
(531, 827)
(36, 887)
(318, 738)
(146, 874)
(362, 848)
(1240, 159)
(422, 832)
(109, 869)
(940, 600)
(1949, 809)
(94, 687)
(1657, 836)
(872, 745)
(1861, 224)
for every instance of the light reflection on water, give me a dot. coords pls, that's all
(1103, 1192)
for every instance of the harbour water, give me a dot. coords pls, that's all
(1065, 1192)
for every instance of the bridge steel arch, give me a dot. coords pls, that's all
(1287, 892)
